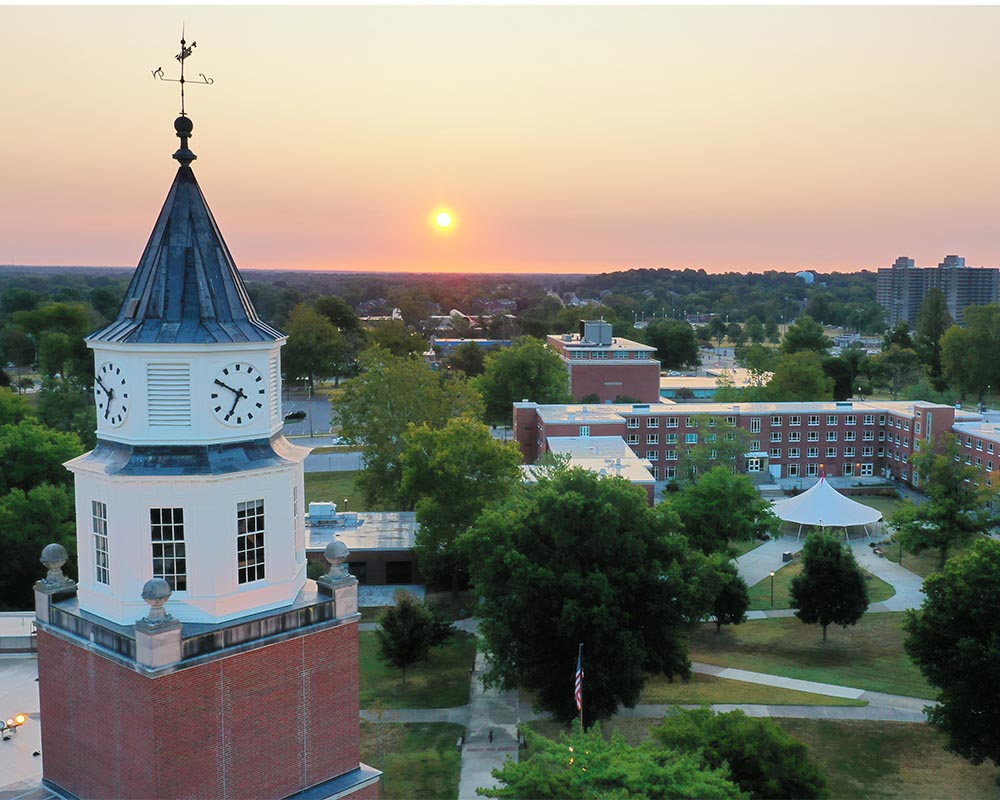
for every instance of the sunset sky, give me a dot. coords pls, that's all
(561, 139)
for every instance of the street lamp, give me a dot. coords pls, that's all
(772, 590)
(345, 505)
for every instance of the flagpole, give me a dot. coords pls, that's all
(579, 680)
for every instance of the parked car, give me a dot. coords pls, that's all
(295, 416)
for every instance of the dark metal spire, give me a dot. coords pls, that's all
(183, 125)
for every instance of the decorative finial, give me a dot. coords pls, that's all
(336, 554)
(53, 557)
(156, 592)
(183, 125)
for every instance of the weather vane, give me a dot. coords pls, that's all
(182, 56)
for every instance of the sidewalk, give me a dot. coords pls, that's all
(491, 734)
(758, 564)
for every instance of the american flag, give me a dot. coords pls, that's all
(578, 686)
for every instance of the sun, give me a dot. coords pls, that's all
(443, 220)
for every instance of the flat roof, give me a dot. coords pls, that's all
(591, 446)
(573, 340)
(366, 530)
(605, 455)
(616, 412)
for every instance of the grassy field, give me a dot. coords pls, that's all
(440, 682)
(868, 655)
(760, 593)
(709, 689)
(334, 486)
(419, 761)
(861, 759)
(864, 759)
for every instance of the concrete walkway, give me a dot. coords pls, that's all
(491, 734)
(758, 564)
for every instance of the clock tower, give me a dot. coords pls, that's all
(193, 658)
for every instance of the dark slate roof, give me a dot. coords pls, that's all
(186, 288)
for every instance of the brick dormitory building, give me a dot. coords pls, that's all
(788, 440)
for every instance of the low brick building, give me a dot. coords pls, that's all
(607, 366)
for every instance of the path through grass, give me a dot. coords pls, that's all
(868, 655)
(760, 593)
(709, 689)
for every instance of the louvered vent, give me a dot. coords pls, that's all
(168, 387)
(275, 387)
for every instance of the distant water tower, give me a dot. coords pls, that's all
(806, 276)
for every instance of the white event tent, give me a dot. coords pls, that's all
(824, 506)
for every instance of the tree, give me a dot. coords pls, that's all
(449, 475)
(732, 597)
(32, 454)
(675, 343)
(895, 368)
(352, 335)
(735, 334)
(805, 334)
(67, 404)
(313, 346)
(469, 358)
(968, 355)
(583, 765)
(717, 329)
(957, 506)
(719, 444)
(721, 506)
(404, 631)
(579, 558)
(376, 408)
(30, 520)
(831, 586)
(17, 347)
(799, 376)
(763, 760)
(525, 370)
(394, 337)
(754, 330)
(13, 408)
(840, 370)
(954, 638)
(933, 320)
(899, 336)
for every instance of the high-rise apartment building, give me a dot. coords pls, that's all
(902, 287)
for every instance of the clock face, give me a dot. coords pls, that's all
(238, 394)
(111, 394)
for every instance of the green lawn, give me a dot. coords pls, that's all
(334, 487)
(868, 655)
(419, 760)
(861, 759)
(709, 689)
(887, 505)
(744, 546)
(926, 562)
(760, 593)
(441, 682)
(867, 759)
(371, 613)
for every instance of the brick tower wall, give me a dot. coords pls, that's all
(264, 723)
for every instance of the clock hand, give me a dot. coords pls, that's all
(239, 396)
(230, 388)
(101, 384)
